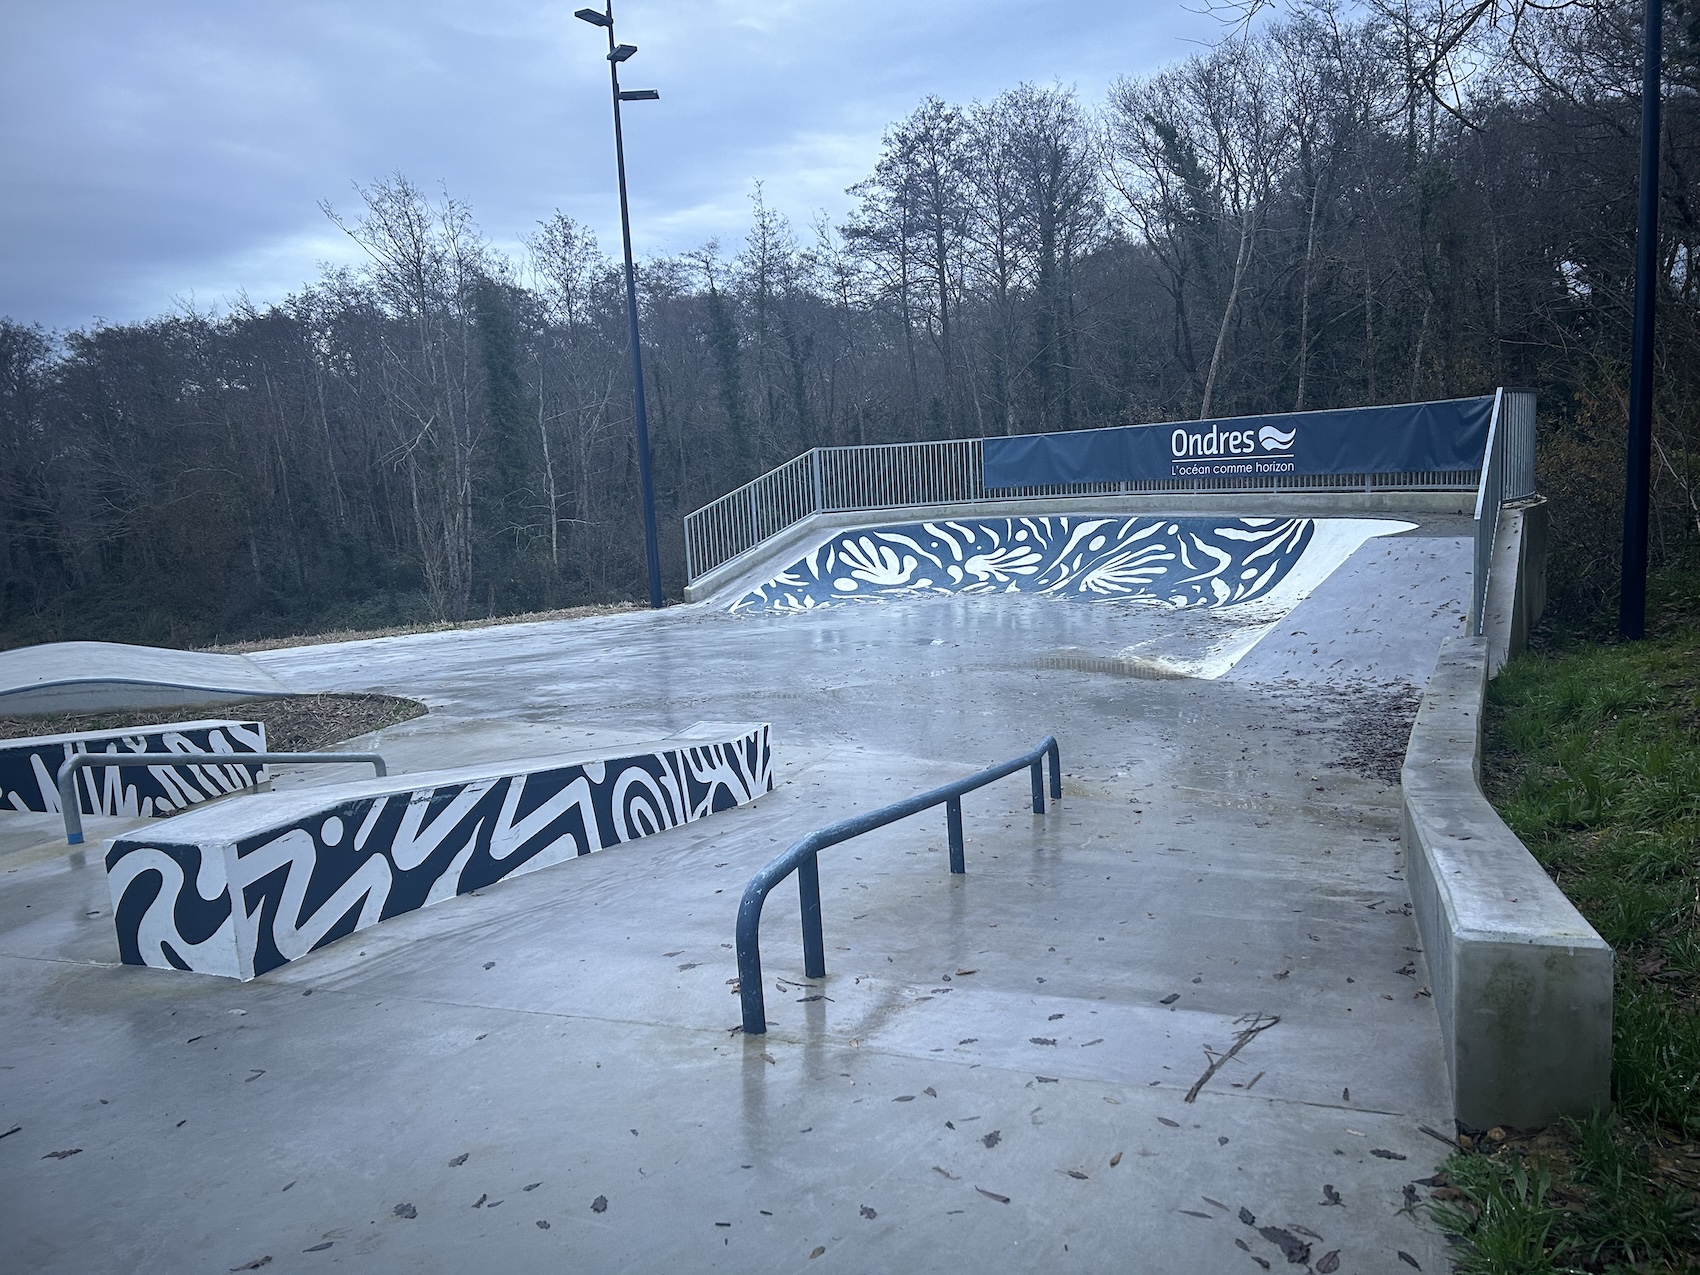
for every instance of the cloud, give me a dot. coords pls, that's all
(160, 151)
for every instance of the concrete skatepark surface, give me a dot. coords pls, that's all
(425, 1095)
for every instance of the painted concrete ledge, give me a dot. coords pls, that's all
(736, 574)
(1522, 982)
(241, 888)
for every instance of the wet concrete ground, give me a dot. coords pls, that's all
(993, 1075)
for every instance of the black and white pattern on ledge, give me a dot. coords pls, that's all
(306, 883)
(1183, 562)
(29, 768)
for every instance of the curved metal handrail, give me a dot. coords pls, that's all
(801, 859)
(73, 808)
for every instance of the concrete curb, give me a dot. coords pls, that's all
(1522, 982)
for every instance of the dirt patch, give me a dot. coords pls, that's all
(294, 723)
(1370, 723)
(444, 626)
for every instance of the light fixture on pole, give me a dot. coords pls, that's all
(618, 53)
(1632, 587)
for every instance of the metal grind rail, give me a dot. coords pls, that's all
(73, 808)
(802, 859)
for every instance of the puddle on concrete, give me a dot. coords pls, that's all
(1150, 670)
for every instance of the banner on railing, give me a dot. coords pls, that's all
(1408, 438)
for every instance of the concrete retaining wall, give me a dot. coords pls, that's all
(1522, 982)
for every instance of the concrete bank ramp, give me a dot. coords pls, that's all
(77, 677)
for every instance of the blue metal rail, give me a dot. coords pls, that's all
(802, 859)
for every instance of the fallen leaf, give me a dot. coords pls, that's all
(968, 1040)
(1196, 1213)
(258, 1072)
(1040, 1040)
(319, 1248)
(255, 1264)
(1261, 1261)
(1047, 1080)
(992, 1195)
(930, 1092)
(1217, 1203)
(599, 1204)
(947, 1173)
(904, 1097)
(458, 1160)
(405, 1210)
(868, 1213)
(769, 1058)
(1408, 1259)
(494, 1204)
(1247, 1217)
(542, 1225)
(1282, 973)
(1076, 1174)
(1173, 1124)
(1242, 1245)
(1115, 1159)
(14, 1129)
(965, 973)
(1170, 999)
(1331, 1196)
(1386, 1155)
(532, 1187)
(62, 1155)
(819, 1249)
(1328, 1263)
(479, 1202)
(1053, 1018)
(489, 965)
(992, 1139)
(1295, 1250)
(1357, 1134)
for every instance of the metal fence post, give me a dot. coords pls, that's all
(953, 827)
(1038, 774)
(814, 474)
(808, 895)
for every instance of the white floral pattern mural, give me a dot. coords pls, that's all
(1182, 562)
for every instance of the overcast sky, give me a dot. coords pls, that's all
(176, 150)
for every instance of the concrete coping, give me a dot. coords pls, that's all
(1522, 982)
(121, 733)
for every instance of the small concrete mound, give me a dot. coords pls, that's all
(71, 677)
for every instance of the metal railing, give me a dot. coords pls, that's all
(908, 475)
(72, 806)
(1508, 474)
(802, 859)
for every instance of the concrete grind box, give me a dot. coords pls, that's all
(242, 889)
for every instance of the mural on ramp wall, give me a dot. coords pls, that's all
(1181, 562)
(29, 768)
(244, 906)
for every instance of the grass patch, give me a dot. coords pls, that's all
(1592, 756)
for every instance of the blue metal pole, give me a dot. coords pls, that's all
(808, 896)
(1038, 773)
(1632, 588)
(953, 825)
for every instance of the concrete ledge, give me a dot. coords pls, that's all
(1522, 982)
(736, 574)
(245, 887)
(29, 768)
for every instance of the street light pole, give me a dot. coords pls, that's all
(618, 53)
(1632, 588)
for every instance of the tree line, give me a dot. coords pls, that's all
(1319, 212)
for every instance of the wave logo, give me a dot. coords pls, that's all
(1273, 440)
